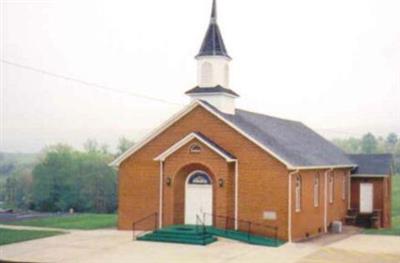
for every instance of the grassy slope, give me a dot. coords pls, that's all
(395, 230)
(81, 221)
(8, 236)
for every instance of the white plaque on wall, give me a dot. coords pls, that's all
(269, 215)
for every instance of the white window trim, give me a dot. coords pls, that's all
(344, 186)
(298, 191)
(331, 187)
(316, 190)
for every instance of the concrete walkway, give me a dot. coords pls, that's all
(36, 228)
(117, 246)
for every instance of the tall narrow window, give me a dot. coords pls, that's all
(206, 73)
(316, 190)
(344, 186)
(331, 188)
(298, 193)
(226, 73)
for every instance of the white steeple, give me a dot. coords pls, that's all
(213, 70)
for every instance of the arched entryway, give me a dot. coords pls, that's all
(198, 197)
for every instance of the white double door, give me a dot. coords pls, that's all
(366, 197)
(198, 202)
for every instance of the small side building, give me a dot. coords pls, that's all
(371, 185)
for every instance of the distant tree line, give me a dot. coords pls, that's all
(63, 178)
(372, 144)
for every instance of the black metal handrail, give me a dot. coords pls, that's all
(135, 223)
(249, 225)
(203, 228)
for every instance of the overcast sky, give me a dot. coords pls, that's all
(334, 65)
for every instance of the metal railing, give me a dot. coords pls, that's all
(153, 216)
(272, 231)
(201, 227)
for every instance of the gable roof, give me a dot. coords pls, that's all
(291, 140)
(372, 164)
(292, 143)
(202, 138)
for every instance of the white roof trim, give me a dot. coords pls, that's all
(187, 139)
(185, 111)
(369, 175)
(324, 167)
(153, 134)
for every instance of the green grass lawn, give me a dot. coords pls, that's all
(78, 221)
(8, 236)
(395, 230)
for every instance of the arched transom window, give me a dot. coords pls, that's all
(199, 177)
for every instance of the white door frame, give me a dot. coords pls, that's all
(210, 185)
(372, 197)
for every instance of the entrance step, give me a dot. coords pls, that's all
(191, 234)
(180, 234)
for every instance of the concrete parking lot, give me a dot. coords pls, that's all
(117, 246)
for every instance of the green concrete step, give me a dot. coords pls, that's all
(176, 239)
(244, 237)
(191, 234)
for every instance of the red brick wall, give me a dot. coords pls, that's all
(309, 221)
(262, 178)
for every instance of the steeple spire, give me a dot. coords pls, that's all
(213, 44)
(214, 12)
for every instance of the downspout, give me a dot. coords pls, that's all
(236, 193)
(290, 204)
(160, 215)
(326, 200)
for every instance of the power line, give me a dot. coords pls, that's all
(86, 83)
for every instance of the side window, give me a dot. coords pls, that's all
(316, 190)
(298, 193)
(344, 186)
(206, 72)
(331, 187)
(226, 69)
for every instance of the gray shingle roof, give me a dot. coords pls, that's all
(216, 89)
(213, 44)
(376, 164)
(291, 140)
(225, 152)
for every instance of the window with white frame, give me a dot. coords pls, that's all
(344, 186)
(331, 187)
(298, 194)
(195, 148)
(206, 73)
(316, 190)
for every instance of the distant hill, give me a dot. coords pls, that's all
(11, 162)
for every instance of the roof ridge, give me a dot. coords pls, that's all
(269, 116)
(369, 154)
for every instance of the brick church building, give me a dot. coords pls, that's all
(229, 166)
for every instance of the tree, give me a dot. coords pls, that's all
(124, 144)
(391, 141)
(66, 178)
(369, 143)
(91, 145)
